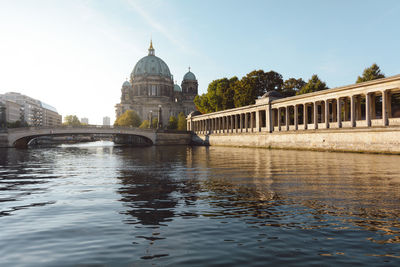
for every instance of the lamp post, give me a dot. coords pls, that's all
(159, 125)
(150, 118)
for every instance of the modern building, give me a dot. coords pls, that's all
(151, 85)
(84, 120)
(23, 108)
(106, 121)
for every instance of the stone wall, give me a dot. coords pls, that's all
(3, 140)
(376, 140)
(173, 138)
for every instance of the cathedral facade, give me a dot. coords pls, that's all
(151, 86)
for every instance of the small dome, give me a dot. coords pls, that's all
(272, 93)
(177, 88)
(189, 76)
(126, 84)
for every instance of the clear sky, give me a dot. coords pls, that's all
(75, 54)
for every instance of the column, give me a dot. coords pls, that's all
(268, 119)
(232, 126)
(326, 114)
(384, 107)
(251, 121)
(296, 117)
(315, 115)
(305, 115)
(352, 111)
(245, 122)
(287, 118)
(236, 123)
(339, 113)
(258, 121)
(279, 119)
(241, 122)
(368, 109)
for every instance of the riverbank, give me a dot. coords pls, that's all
(368, 140)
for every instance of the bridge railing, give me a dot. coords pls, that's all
(35, 128)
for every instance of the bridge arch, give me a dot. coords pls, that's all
(20, 137)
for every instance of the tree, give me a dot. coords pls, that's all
(255, 84)
(219, 96)
(145, 124)
(181, 122)
(128, 118)
(154, 123)
(172, 123)
(371, 73)
(202, 105)
(314, 84)
(291, 86)
(71, 120)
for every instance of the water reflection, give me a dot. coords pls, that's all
(22, 175)
(351, 188)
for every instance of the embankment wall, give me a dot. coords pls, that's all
(369, 140)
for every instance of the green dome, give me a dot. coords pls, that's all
(151, 65)
(126, 84)
(189, 76)
(177, 88)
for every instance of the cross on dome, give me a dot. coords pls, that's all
(151, 49)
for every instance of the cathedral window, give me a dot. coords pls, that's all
(153, 90)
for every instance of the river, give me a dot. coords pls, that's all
(103, 205)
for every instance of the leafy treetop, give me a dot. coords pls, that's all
(371, 73)
(128, 118)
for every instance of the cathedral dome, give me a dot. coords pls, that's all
(126, 84)
(177, 88)
(189, 76)
(151, 65)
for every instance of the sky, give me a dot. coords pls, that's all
(75, 54)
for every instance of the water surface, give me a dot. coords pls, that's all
(184, 206)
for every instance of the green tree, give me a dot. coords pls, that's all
(181, 122)
(172, 123)
(291, 86)
(71, 120)
(219, 96)
(154, 123)
(128, 118)
(202, 105)
(145, 124)
(255, 84)
(371, 73)
(314, 84)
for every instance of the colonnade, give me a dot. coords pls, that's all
(371, 104)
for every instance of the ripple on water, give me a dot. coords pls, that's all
(183, 206)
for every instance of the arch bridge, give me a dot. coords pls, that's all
(20, 137)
